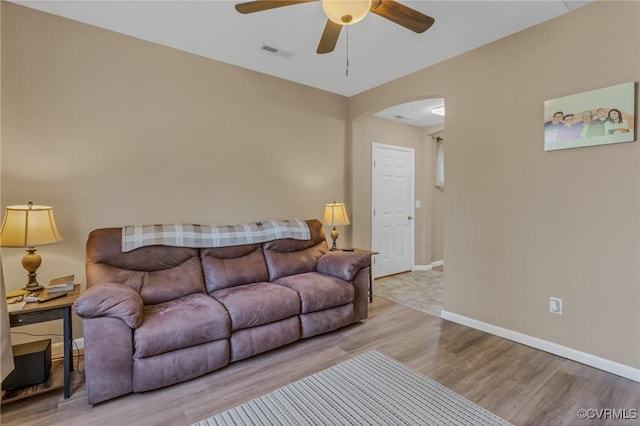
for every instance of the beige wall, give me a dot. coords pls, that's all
(111, 130)
(371, 130)
(523, 224)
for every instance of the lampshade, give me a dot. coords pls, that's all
(29, 226)
(346, 12)
(335, 214)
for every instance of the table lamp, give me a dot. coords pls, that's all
(335, 214)
(29, 226)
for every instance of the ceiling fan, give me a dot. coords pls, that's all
(347, 12)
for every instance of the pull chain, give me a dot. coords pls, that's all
(347, 70)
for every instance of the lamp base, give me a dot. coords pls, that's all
(34, 288)
(334, 237)
(33, 285)
(31, 262)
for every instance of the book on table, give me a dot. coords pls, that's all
(61, 284)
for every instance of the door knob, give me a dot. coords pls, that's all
(410, 218)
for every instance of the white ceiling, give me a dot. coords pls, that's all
(378, 50)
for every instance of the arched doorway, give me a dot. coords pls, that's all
(410, 125)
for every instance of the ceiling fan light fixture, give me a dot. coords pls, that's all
(346, 12)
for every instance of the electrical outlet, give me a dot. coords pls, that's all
(555, 305)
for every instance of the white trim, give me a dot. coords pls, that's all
(422, 268)
(58, 348)
(625, 371)
(428, 267)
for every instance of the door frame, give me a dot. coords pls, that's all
(412, 190)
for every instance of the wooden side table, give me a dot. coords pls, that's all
(371, 254)
(36, 312)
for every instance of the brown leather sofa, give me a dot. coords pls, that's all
(161, 315)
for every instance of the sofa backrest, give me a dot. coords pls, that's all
(288, 256)
(157, 273)
(231, 266)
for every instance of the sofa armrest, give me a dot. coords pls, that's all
(111, 300)
(344, 265)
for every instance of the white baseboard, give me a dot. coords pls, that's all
(77, 344)
(554, 348)
(428, 267)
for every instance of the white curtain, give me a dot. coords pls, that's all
(6, 360)
(440, 163)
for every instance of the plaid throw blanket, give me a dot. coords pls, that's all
(200, 236)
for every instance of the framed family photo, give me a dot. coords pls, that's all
(597, 117)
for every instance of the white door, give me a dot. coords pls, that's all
(392, 200)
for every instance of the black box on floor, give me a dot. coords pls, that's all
(32, 365)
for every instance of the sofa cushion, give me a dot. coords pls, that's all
(318, 291)
(157, 273)
(231, 266)
(179, 365)
(255, 304)
(251, 341)
(180, 323)
(289, 257)
(319, 322)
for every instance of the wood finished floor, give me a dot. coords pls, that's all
(522, 385)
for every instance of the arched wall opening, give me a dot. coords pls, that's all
(366, 129)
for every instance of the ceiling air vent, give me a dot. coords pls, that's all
(269, 49)
(276, 52)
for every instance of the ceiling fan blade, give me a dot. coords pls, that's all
(329, 37)
(402, 15)
(259, 6)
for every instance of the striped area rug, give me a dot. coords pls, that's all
(370, 389)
